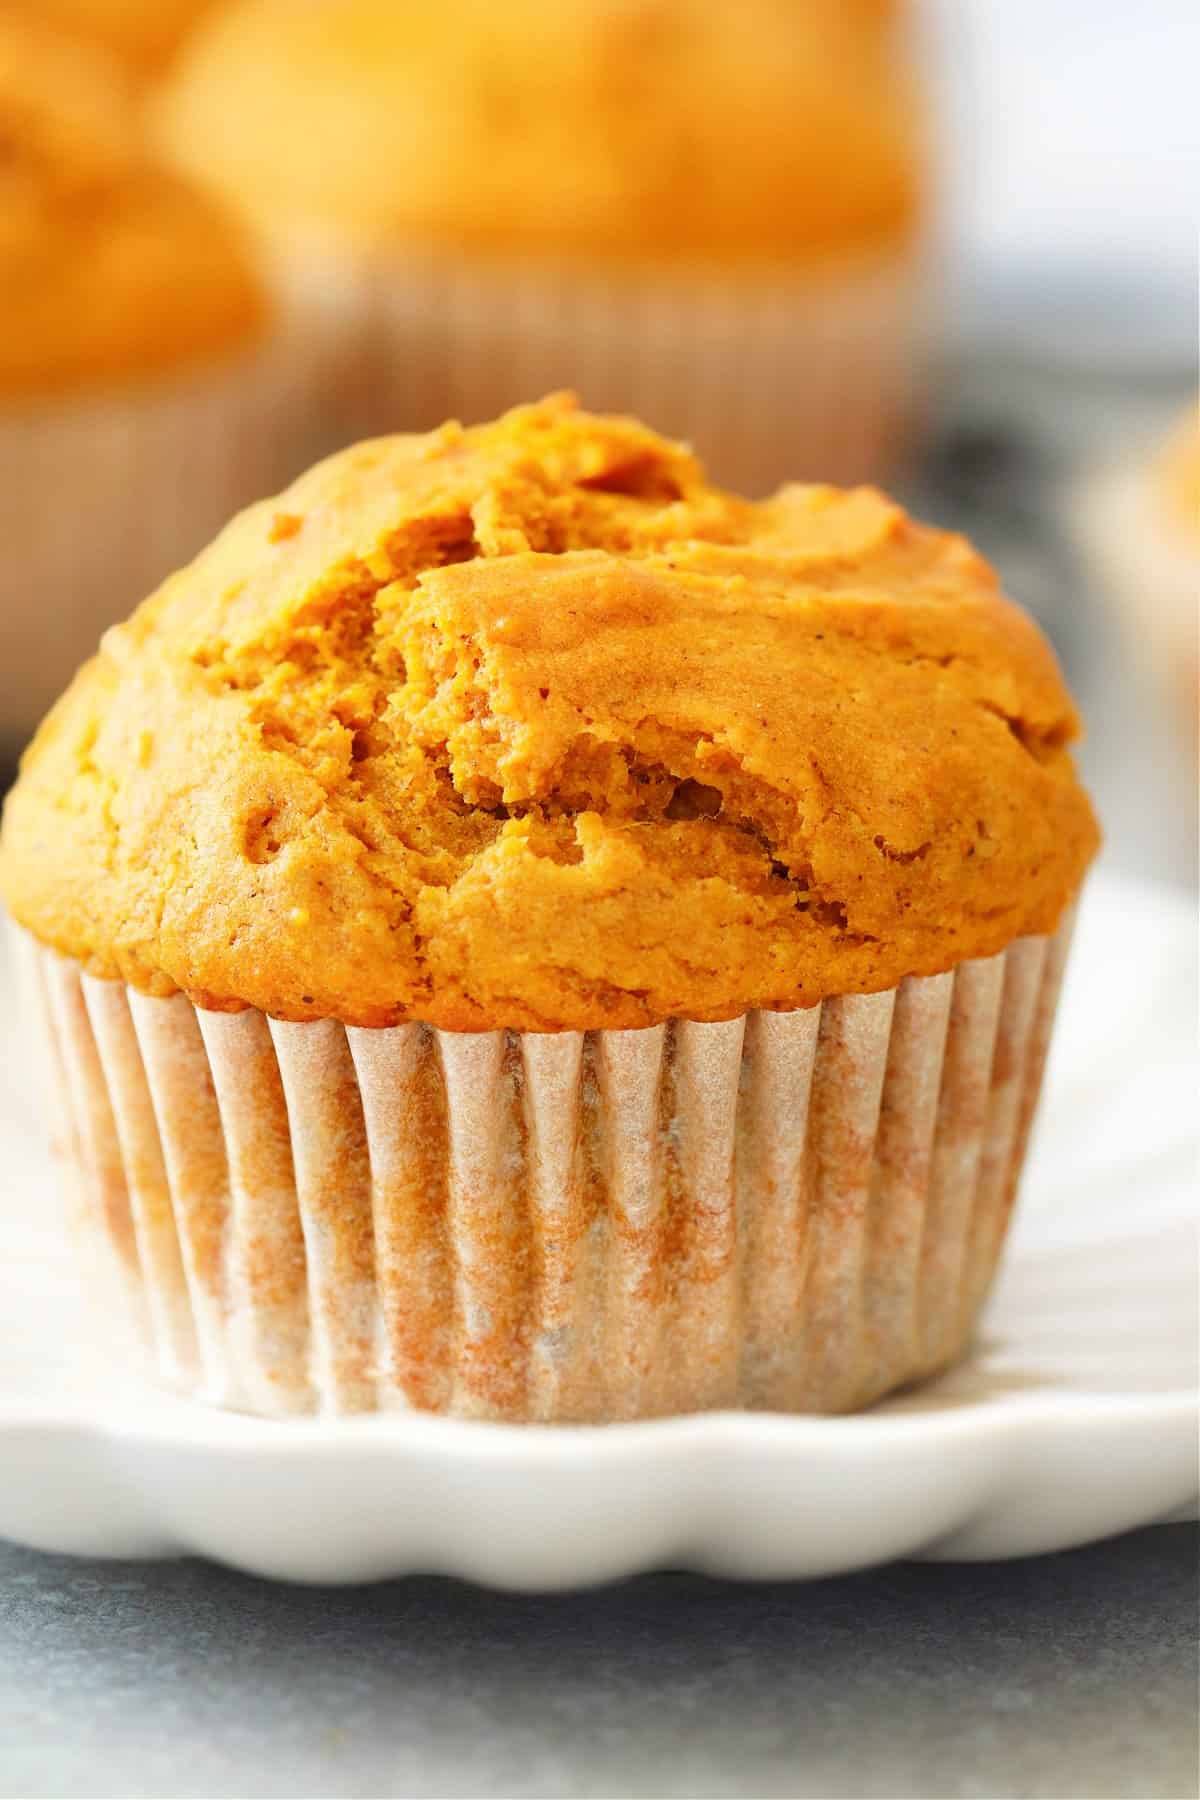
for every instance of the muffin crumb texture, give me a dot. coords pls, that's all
(528, 726)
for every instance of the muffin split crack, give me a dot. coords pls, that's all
(527, 725)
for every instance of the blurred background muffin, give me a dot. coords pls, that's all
(143, 34)
(144, 390)
(1141, 526)
(709, 214)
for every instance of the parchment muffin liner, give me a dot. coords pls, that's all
(816, 375)
(102, 495)
(794, 1211)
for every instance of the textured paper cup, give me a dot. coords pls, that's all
(102, 496)
(816, 376)
(794, 1211)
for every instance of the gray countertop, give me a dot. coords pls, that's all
(1066, 1676)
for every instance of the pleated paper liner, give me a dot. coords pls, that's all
(796, 1211)
(103, 495)
(814, 376)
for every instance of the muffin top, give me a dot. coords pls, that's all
(111, 265)
(765, 131)
(144, 33)
(527, 726)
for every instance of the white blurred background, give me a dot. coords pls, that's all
(1073, 173)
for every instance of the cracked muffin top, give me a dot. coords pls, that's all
(112, 265)
(767, 131)
(527, 725)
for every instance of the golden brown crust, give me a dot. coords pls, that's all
(111, 266)
(528, 726)
(762, 132)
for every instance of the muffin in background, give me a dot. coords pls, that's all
(143, 34)
(1140, 524)
(145, 390)
(708, 214)
(528, 935)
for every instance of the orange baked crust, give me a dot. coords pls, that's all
(111, 266)
(764, 132)
(528, 726)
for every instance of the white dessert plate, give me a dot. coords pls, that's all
(1075, 1418)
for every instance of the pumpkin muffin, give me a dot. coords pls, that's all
(137, 364)
(527, 934)
(1141, 525)
(711, 214)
